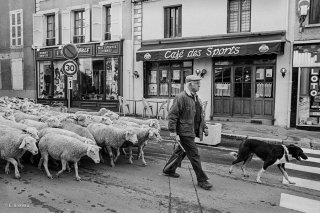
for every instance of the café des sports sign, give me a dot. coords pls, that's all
(148, 54)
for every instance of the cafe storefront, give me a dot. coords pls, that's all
(239, 71)
(97, 84)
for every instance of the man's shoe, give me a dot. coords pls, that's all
(205, 185)
(174, 175)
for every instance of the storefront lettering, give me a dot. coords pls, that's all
(174, 54)
(194, 53)
(84, 49)
(222, 51)
(43, 54)
(314, 82)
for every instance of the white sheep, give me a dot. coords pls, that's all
(101, 112)
(144, 136)
(84, 119)
(82, 131)
(30, 130)
(65, 148)
(67, 133)
(126, 123)
(13, 144)
(111, 137)
(154, 123)
(51, 122)
(19, 116)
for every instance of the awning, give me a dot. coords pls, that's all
(192, 48)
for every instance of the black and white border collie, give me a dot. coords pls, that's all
(270, 154)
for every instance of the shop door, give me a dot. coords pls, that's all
(242, 89)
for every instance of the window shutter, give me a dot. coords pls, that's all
(57, 24)
(87, 24)
(97, 23)
(17, 74)
(166, 22)
(116, 15)
(37, 30)
(66, 31)
(179, 33)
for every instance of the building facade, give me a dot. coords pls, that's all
(101, 31)
(306, 65)
(242, 51)
(17, 76)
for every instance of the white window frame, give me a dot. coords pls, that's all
(87, 14)
(15, 26)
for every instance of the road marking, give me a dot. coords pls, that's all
(297, 167)
(299, 203)
(315, 160)
(309, 184)
(311, 151)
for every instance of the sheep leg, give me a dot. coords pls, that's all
(124, 152)
(64, 165)
(78, 178)
(40, 163)
(142, 156)
(117, 156)
(15, 164)
(101, 158)
(110, 155)
(45, 164)
(130, 155)
(68, 167)
(7, 168)
(19, 164)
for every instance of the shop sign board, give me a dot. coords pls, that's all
(70, 82)
(70, 51)
(314, 82)
(108, 49)
(70, 67)
(44, 54)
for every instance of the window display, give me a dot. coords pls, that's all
(112, 78)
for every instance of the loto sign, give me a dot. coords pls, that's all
(314, 82)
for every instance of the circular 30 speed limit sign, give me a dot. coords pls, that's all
(70, 67)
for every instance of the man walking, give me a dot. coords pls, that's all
(186, 122)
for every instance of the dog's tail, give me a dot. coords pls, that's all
(234, 154)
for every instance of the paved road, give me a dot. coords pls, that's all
(135, 188)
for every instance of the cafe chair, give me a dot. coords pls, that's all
(164, 108)
(147, 108)
(122, 104)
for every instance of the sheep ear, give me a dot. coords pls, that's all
(23, 143)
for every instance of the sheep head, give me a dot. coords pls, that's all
(154, 135)
(93, 153)
(131, 136)
(29, 144)
(33, 132)
(54, 122)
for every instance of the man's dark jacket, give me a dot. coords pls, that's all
(181, 115)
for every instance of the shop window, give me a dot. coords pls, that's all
(222, 81)
(314, 17)
(172, 22)
(16, 28)
(309, 97)
(166, 79)
(239, 16)
(264, 82)
(79, 27)
(51, 30)
(112, 78)
(242, 82)
(107, 32)
(51, 80)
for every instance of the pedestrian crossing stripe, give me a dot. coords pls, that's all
(314, 160)
(311, 151)
(299, 203)
(309, 184)
(301, 168)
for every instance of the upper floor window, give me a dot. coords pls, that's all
(172, 22)
(314, 17)
(79, 27)
(239, 16)
(51, 30)
(107, 32)
(16, 28)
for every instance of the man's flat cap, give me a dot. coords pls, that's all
(193, 78)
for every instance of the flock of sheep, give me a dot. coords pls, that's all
(67, 137)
